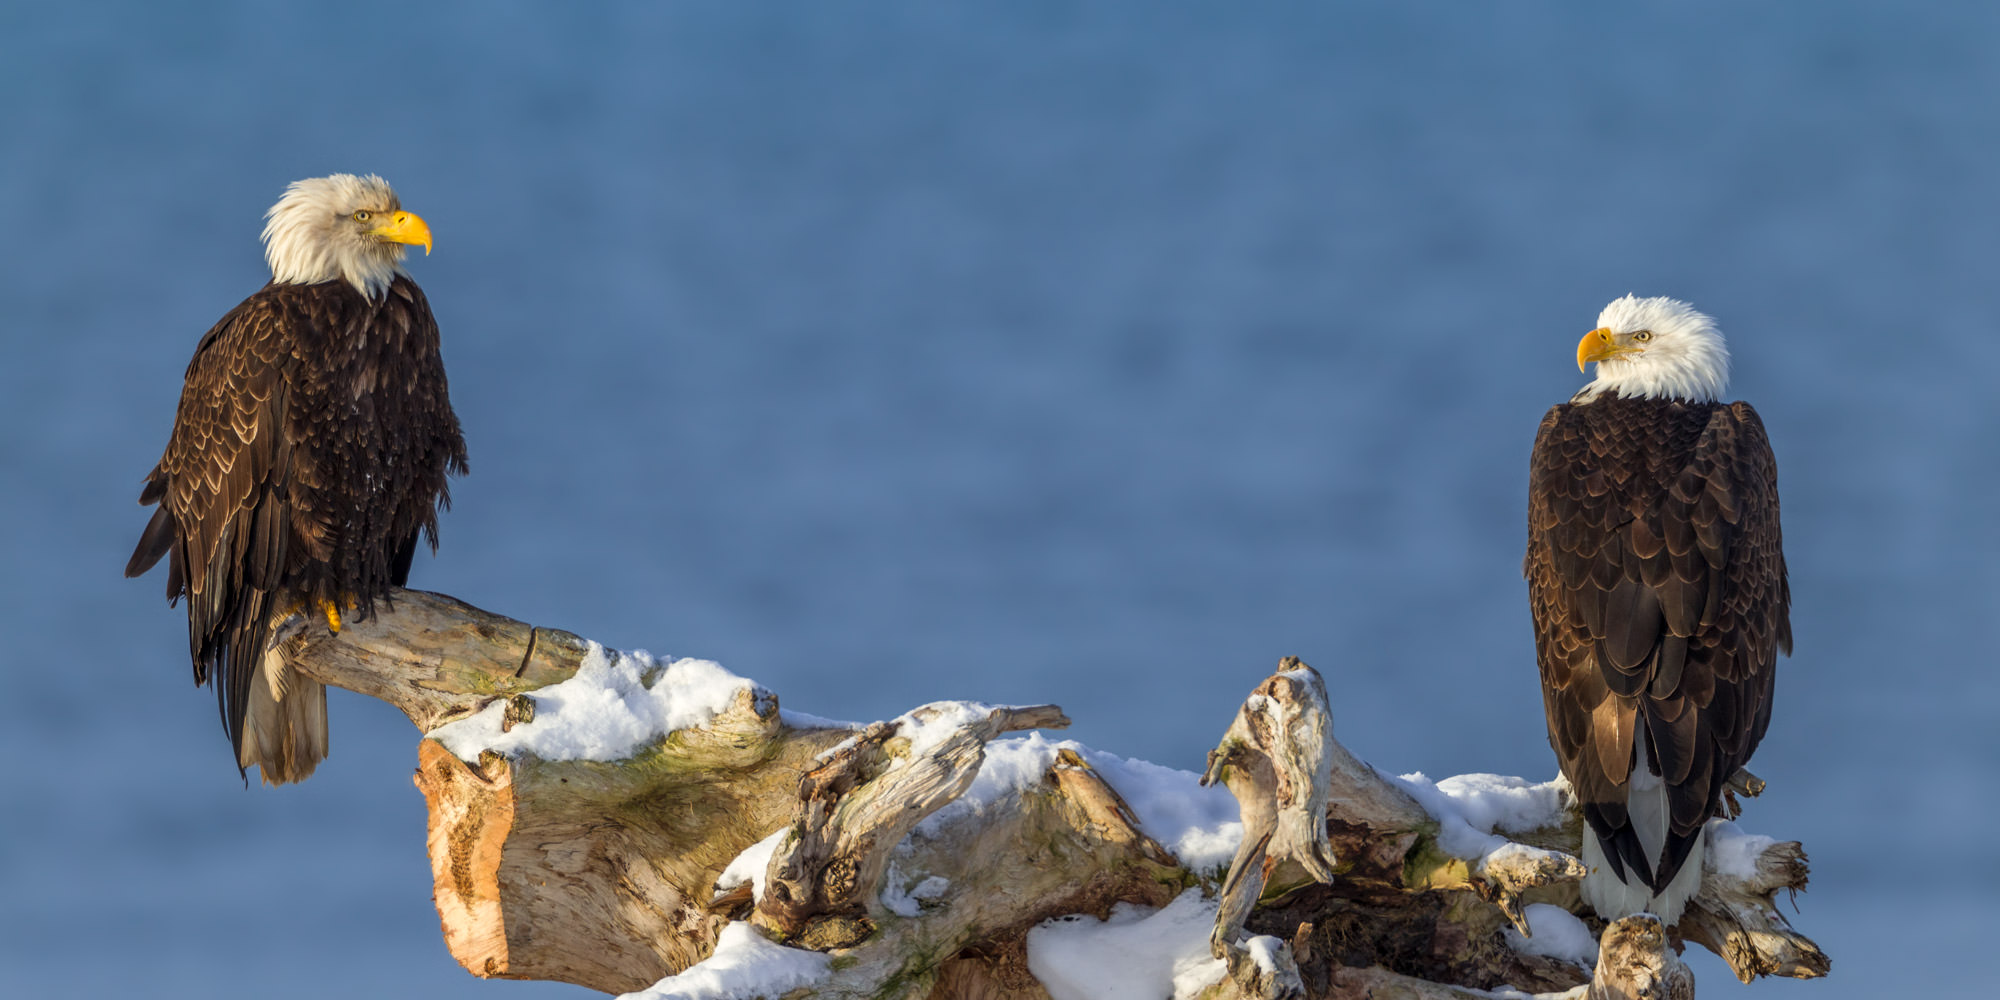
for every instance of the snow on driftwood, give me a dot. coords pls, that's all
(658, 828)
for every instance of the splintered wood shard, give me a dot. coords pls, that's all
(1276, 759)
(1504, 877)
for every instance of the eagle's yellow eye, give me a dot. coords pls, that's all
(361, 216)
(1642, 336)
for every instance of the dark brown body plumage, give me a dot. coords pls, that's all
(308, 454)
(1657, 581)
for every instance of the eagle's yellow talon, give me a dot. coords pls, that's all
(332, 615)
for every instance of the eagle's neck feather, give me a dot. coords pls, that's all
(1698, 377)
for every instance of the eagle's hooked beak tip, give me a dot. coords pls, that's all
(407, 228)
(1595, 346)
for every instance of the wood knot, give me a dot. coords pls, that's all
(835, 931)
(840, 878)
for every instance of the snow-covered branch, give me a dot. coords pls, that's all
(660, 828)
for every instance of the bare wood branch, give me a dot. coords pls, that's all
(1738, 918)
(1505, 877)
(433, 657)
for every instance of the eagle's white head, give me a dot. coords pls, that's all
(1656, 348)
(340, 227)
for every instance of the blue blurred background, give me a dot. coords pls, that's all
(1098, 354)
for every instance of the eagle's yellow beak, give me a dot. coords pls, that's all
(1602, 345)
(405, 227)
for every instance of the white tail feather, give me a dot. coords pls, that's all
(1646, 803)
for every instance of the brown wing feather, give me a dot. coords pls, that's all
(221, 499)
(308, 455)
(1657, 584)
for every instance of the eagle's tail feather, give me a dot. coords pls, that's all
(1616, 891)
(284, 724)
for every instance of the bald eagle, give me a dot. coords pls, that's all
(1657, 581)
(308, 454)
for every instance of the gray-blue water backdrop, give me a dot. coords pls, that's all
(1088, 353)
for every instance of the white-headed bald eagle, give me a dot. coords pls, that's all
(308, 454)
(1657, 580)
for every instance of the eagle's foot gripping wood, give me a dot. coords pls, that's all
(292, 616)
(603, 873)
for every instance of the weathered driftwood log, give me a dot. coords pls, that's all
(603, 873)
(1393, 856)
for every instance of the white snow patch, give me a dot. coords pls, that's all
(807, 720)
(927, 726)
(605, 712)
(1558, 934)
(1201, 826)
(1505, 804)
(1263, 950)
(1731, 851)
(751, 865)
(1136, 954)
(1470, 808)
(924, 727)
(908, 902)
(745, 965)
(1010, 765)
(1509, 849)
